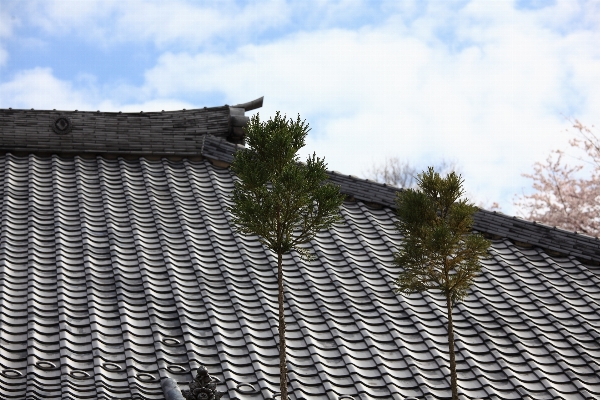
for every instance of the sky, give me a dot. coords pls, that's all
(490, 85)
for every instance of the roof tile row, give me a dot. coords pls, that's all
(373, 193)
(116, 274)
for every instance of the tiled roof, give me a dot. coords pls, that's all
(526, 233)
(496, 224)
(116, 274)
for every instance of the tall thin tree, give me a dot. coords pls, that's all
(282, 201)
(439, 250)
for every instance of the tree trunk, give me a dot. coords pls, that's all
(282, 349)
(451, 351)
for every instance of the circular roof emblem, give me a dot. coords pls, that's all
(62, 124)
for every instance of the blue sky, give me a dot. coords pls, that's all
(488, 84)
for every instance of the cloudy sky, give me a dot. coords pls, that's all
(488, 84)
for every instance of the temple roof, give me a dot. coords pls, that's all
(119, 270)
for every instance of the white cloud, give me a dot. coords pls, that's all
(7, 24)
(180, 23)
(38, 88)
(478, 82)
(63, 17)
(150, 105)
(494, 105)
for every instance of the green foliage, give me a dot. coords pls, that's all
(439, 251)
(280, 200)
(277, 198)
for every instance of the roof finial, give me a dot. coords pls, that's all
(203, 386)
(251, 105)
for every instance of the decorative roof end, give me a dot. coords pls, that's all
(251, 105)
(237, 120)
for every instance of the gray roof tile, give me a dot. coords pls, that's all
(141, 252)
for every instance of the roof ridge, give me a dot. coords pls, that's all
(494, 223)
(555, 239)
(248, 106)
(151, 133)
(10, 109)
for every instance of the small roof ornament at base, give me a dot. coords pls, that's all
(203, 387)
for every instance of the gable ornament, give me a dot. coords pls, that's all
(62, 125)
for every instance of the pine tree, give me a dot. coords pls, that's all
(439, 251)
(282, 201)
